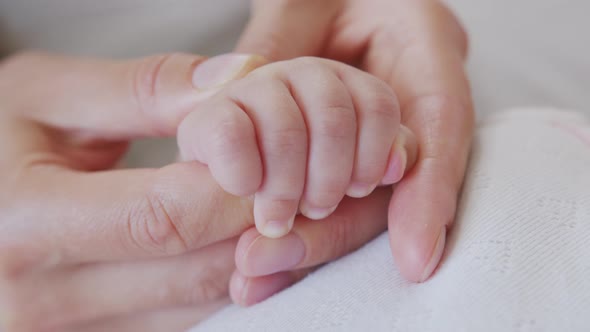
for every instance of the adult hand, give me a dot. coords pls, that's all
(85, 246)
(89, 247)
(419, 48)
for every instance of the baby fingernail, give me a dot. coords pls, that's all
(277, 228)
(267, 256)
(439, 247)
(316, 213)
(359, 190)
(221, 69)
(396, 167)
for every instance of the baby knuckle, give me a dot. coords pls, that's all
(384, 104)
(288, 141)
(230, 135)
(338, 122)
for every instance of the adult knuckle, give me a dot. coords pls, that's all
(146, 77)
(154, 225)
(434, 109)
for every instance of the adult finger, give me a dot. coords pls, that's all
(114, 99)
(429, 77)
(115, 215)
(93, 292)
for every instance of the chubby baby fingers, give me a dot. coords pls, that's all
(221, 135)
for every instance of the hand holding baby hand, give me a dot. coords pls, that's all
(299, 135)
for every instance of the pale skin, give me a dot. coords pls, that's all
(299, 135)
(87, 247)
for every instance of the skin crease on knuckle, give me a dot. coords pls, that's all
(227, 137)
(151, 228)
(154, 224)
(335, 117)
(431, 117)
(288, 134)
(338, 122)
(144, 86)
(286, 141)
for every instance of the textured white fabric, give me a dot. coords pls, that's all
(518, 257)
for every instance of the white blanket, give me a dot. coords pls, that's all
(518, 257)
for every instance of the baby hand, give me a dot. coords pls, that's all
(299, 135)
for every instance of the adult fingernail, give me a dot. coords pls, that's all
(316, 213)
(359, 190)
(267, 256)
(238, 288)
(396, 167)
(277, 228)
(221, 69)
(436, 255)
